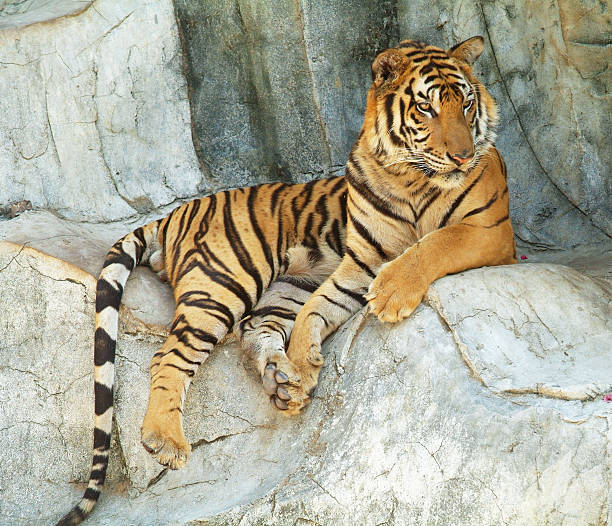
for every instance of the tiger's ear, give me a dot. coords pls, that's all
(387, 66)
(468, 50)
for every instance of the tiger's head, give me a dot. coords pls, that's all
(426, 110)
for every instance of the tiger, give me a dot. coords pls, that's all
(283, 265)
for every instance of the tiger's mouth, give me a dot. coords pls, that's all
(447, 180)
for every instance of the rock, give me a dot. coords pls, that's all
(275, 91)
(452, 416)
(16, 13)
(96, 116)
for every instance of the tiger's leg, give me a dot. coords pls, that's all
(199, 323)
(340, 296)
(264, 333)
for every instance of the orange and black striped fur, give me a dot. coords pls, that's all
(424, 195)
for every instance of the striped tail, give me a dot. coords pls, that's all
(125, 254)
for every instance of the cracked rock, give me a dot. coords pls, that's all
(431, 421)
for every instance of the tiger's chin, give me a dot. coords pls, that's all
(448, 180)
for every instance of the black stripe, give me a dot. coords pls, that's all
(107, 295)
(265, 246)
(337, 304)
(292, 300)
(188, 372)
(402, 108)
(104, 347)
(351, 294)
(139, 233)
(319, 316)
(421, 139)
(498, 222)
(435, 193)
(358, 182)
(103, 398)
(343, 207)
(279, 241)
(164, 236)
(224, 281)
(395, 139)
(176, 246)
(300, 283)
(354, 257)
(205, 249)
(308, 238)
(101, 439)
(460, 198)
(271, 310)
(321, 208)
(118, 255)
(99, 459)
(199, 334)
(240, 251)
(427, 68)
(482, 208)
(340, 184)
(91, 494)
(178, 353)
(98, 475)
(274, 197)
(368, 238)
(207, 304)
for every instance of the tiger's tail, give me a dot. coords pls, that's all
(125, 254)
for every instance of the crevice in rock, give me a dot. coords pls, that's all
(524, 132)
(433, 300)
(311, 81)
(326, 491)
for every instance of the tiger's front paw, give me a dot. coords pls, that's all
(393, 295)
(165, 442)
(290, 385)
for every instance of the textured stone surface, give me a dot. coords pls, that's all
(20, 13)
(423, 423)
(96, 117)
(102, 125)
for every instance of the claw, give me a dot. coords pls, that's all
(280, 404)
(283, 394)
(268, 381)
(281, 377)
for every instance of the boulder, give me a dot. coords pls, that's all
(484, 407)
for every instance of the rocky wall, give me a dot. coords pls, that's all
(120, 109)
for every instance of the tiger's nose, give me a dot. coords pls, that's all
(462, 157)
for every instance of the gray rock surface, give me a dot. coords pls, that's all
(21, 13)
(483, 408)
(105, 125)
(96, 116)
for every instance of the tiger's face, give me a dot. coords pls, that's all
(428, 111)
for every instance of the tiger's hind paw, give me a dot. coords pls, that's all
(290, 388)
(168, 451)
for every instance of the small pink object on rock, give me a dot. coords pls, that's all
(608, 397)
(523, 256)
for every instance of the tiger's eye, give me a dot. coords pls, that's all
(468, 104)
(424, 107)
